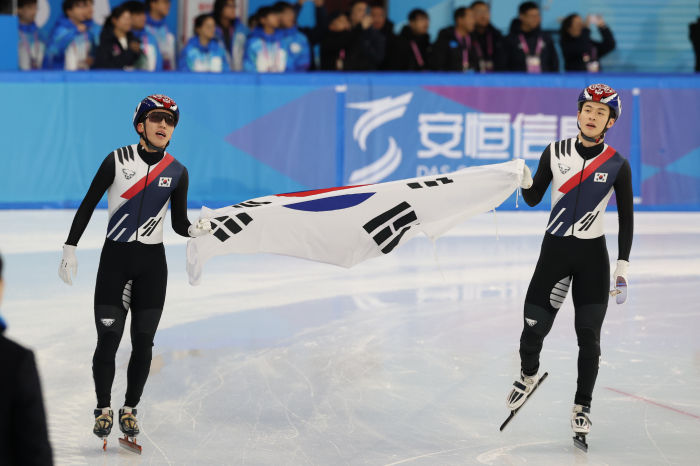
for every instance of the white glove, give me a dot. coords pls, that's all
(69, 264)
(526, 181)
(200, 228)
(620, 281)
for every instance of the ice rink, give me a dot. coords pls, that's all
(404, 359)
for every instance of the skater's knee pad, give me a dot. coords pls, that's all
(538, 320)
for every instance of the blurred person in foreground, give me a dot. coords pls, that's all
(24, 439)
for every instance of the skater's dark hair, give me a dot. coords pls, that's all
(22, 3)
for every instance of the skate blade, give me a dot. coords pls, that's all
(130, 444)
(580, 443)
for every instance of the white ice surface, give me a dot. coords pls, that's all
(405, 359)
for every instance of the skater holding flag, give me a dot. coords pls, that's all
(140, 180)
(584, 172)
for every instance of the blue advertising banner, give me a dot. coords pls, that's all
(429, 130)
(244, 135)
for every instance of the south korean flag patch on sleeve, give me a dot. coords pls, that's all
(164, 182)
(600, 177)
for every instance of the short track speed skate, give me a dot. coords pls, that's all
(130, 428)
(581, 424)
(103, 424)
(530, 391)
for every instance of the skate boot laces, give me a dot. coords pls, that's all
(103, 421)
(127, 421)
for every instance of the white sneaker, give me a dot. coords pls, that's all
(580, 421)
(521, 390)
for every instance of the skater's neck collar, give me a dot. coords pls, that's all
(588, 152)
(151, 158)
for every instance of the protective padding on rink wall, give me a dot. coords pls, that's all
(242, 136)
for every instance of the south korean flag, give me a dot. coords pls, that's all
(387, 228)
(225, 227)
(347, 225)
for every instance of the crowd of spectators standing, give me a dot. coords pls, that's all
(135, 36)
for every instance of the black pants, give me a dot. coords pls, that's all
(130, 276)
(583, 264)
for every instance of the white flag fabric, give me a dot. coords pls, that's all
(350, 224)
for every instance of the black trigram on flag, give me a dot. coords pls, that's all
(431, 183)
(250, 204)
(225, 227)
(388, 228)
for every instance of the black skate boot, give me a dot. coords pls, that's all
(103, 424)
(130, 428)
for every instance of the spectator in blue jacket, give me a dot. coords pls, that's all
(157, 12)
(69, 46)
(294, 41)
(150, 59)
(31, 47)
(264, 52)
(94, 30)
(231, 32)
(203, 53)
